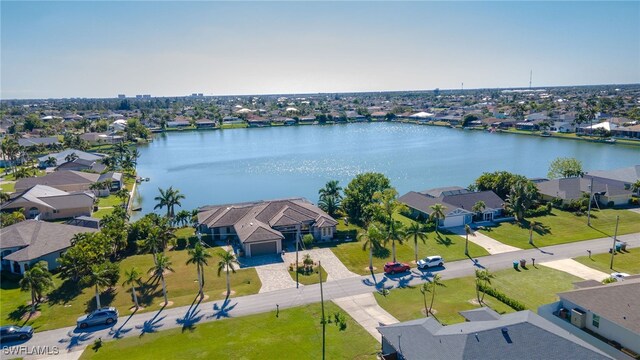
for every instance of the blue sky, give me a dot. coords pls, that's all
(100, 49)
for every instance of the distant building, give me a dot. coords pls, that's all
(122, 96)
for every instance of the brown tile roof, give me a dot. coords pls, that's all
(58, 178)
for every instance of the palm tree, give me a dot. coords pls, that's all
(479, 207)
(51, 161)
(163, 263)
(168, 198)
(152, 243)
(198, 256)
(394, 233)
(482, 277)
(522, 195)
(424, 289)
(417, 232)
(71, 157)
(226, 263)
(183, 217)
(372, 238)
(97, 277)
(467, 231)
(435, 282)
(437, 214)
(329, 204)
(331, 189)
(132, 277)
(533, 226)
(37, 280)
(4, 197)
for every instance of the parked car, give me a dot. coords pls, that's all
(619, 276)
(395, 267)
(430, 261)
(102, 316)
(14, 332)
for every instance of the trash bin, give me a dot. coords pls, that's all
(623, 246)
(523, 263)
(618, 246)
(515, 264)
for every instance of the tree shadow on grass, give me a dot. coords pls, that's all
(17, 314)
(446, 241)
(64, 293)
(381, 252)
(148, 291)
(106, 298)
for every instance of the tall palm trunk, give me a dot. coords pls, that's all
(228, 283)
(200, 281)
(135, 297)
(424, 298)
(370, 257)
(478, 292)
(393, 248)
(164, 290)
(433, 295)
(466, 245)
(415, 248)
(33, 300)
(98, 298)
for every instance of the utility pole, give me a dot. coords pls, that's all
(530, 78)
(590, 198)
(324, 325)
(297, 241)
(613, 248)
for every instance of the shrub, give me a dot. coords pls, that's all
(610, 204)
(181, 243)
(307, 240)
(514, 304)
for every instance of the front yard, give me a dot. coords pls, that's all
(533, 287)
(450, 247)
(564, 227)
(295, 333)
(67, 302)
(628, 262)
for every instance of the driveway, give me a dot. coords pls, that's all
(489, 244)
(365, 310)
(274, 277)
(332, 265)
(577, 269)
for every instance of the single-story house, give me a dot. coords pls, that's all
(485, 335)
(71, 181)
(30, 241)
(570, 189)
(627, 176)
(29, 142)
(118, 125)
(309, 119)
(458, 203)
(610, 311)
(81, 157)
(94, 138)
(232, 120)
(205, 123)
(632, 131)
(422, 116)
(606, 125)
(260, 227)
(48, 203)
(258, 121)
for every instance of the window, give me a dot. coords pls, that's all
(596, 320)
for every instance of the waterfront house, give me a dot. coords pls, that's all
(571, 189)
(608, 316)
(72, 159)
(73, 181)
(48, 203)
(232, 120)
(30, 241)
(603, 126)
(632, 132)
(422, 116)
(459, 203)
(258, 121)
(33, 141)
(94, 138)
(625, 176)
(307, 120)
(261, 227)
(205, 123)
(485, 335)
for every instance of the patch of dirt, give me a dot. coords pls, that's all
(225, 293)
(474, 301)
(433, 311)
(133, 308)
(162, 304)
(374, 268)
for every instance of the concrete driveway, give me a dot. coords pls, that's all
(365, 310)
(489, 244)
(577, 269)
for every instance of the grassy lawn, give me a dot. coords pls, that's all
(66, 303)
(8, 187)
(451, 247)
(563, 227)
(234, 126)
(533, 287)
(185, 232)
(102, 213)
(295, 334)
(37, 173)
(457, 294)
(309, 279)
(628, 262)
(110, 200)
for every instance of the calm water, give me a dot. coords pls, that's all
(213, 167)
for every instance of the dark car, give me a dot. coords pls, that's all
(395, 267)
(104, 316)
(13, 332)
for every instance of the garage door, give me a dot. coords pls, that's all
(270, 247)
(451, 221)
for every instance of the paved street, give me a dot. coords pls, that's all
(137, 325)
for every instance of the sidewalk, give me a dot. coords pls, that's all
(365, 310)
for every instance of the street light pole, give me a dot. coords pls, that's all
(590, 198)
(613, 248)
(297, 241)
(322, 305)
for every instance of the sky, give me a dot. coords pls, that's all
(101, 49)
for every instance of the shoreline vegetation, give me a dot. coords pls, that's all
(557, 135)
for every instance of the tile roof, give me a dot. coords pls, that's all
(52, 198)
(58, 178)
(573, 188)
(38, 238)
(61, 156)
(452, 198)
(629, 174)
(255, 221)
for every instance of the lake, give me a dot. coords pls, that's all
(235, 165)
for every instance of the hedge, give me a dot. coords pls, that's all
(514, 304)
